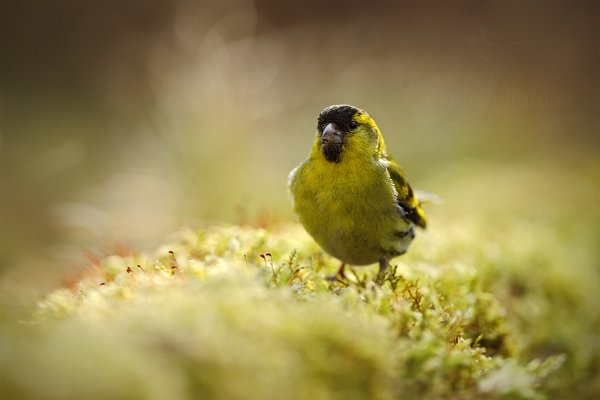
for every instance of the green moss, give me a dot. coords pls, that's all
(240, 313)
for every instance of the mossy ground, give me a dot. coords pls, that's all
(245, 313)
(497, 299)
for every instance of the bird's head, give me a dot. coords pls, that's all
(347, 131)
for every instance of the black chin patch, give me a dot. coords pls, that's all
(332, 152)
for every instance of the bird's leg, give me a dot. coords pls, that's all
(383, 264)
(339, 274)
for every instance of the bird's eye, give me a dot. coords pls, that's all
(353, 124)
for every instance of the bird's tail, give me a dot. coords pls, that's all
(428, 198)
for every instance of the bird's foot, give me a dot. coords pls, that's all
(381, 275)
(339, 276)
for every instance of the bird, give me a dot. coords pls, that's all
(351, 196)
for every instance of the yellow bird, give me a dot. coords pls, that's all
(350, 194)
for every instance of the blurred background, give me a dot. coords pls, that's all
(122, 121)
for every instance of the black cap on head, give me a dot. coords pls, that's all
(341, 115)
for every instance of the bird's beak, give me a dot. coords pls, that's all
(332, 134)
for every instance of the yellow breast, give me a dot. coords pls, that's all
(349, 208)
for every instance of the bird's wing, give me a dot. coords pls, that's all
(406, 196)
